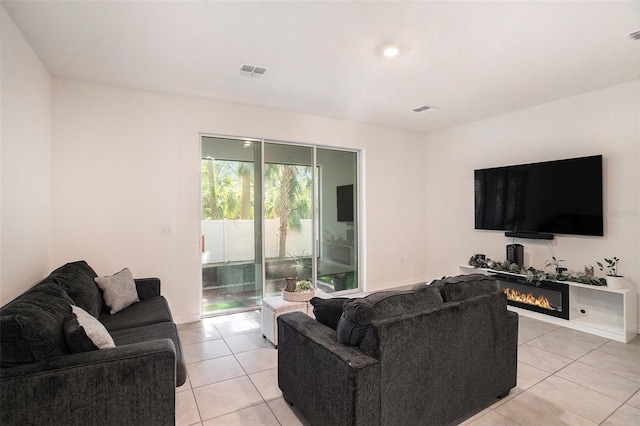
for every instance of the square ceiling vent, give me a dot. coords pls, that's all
(424, 108)
(252, 71)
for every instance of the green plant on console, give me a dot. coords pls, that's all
(611, 267)
(533, 275)
(553, 262)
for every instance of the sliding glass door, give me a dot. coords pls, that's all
(338, 220)
(231, 224)
(288, 215)
(273, 212)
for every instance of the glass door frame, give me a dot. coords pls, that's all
(259, 209)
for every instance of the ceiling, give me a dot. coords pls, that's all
(472, 60)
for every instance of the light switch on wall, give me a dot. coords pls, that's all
(166, 230)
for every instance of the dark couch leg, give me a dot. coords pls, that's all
(504, 394)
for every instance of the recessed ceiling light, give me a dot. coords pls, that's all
(390, 51)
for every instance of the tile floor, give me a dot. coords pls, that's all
(565, 377)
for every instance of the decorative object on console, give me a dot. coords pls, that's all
(610, 269)
(515, 254)
(561, 272)
(534, 275)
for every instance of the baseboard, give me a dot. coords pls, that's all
(187, 319)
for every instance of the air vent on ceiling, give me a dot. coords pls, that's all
(425, 108)
(635, 35)
(252, 71)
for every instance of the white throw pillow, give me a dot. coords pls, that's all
(119, 290)
(93, 329)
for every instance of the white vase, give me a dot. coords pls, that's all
(616, 282)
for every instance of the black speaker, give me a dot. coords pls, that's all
(515, 254)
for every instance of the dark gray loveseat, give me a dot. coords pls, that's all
(42, 383)
(430, 356)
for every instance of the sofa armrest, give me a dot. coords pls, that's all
(130, 384)
(147, 287)
(330, 382)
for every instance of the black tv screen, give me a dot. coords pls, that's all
(553, 197)
(344, 201)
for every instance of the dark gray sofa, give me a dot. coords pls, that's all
(434, 355)
(42, 383)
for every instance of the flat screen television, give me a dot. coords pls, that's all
(552, 197)
(344, 202)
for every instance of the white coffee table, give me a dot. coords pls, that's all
(272, 308)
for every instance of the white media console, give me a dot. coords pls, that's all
(598, 310)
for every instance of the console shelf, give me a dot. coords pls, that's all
(599, 310)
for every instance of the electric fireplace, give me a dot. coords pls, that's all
(550, 298)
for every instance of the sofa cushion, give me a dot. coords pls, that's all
(165, 330)
(84, 333)
(31, 325)
(119, 290)
(149, 311)
(358, 313)
(76, 278)
(462, 287)
(328, 311)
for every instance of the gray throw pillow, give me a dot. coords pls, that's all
(119, 290)
(84, 333)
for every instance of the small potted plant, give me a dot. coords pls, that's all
(340, 281)
(610, 269)
(556, 264)
(302, 264)
(303, 292)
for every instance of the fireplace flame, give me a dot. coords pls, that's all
(527, 298)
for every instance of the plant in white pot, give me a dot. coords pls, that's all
(610, 269)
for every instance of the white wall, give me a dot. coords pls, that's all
(25, 171)
(126, 162)
(602, 122)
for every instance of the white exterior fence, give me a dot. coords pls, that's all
(233, 240)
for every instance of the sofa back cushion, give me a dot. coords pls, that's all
(358, 313)
(461, 287)
(31, 325)
(76, 278)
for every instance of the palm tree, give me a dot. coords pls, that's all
(209, 171)
(288, 194)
